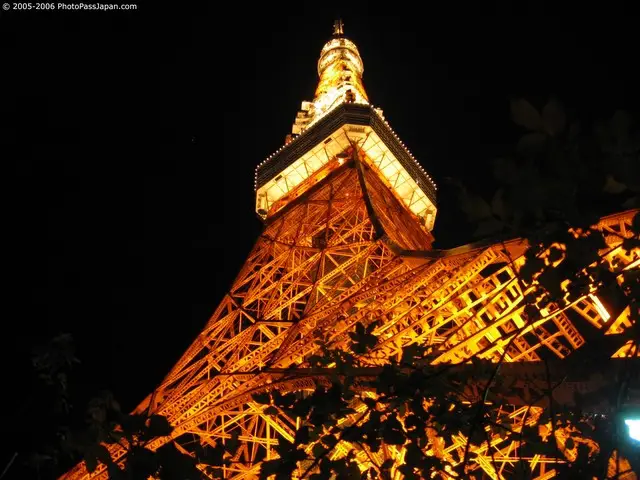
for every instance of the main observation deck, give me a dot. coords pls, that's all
(310, 157)
(336, 126)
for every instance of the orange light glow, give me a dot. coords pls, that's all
(346, 244)
(602, 311)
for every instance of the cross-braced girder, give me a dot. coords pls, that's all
(338, 257)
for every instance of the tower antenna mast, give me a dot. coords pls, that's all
(338, 28)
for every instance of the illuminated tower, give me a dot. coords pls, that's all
(348, 213)
(340, 125)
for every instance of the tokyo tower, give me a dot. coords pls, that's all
(348, 214)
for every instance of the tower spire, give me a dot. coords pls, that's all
(338, 28)
(340, 71)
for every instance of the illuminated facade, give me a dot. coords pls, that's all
(348, 213)
(328, 130)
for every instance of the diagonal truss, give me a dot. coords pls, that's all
(348, 252)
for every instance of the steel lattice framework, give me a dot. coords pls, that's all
(347, 249)
(321, 267)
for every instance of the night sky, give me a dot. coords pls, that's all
(130, 141)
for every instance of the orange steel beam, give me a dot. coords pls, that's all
(320, 268)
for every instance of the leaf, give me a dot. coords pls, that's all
(498, 206)
(369, 340)
(478, 436)
(233, 443)
(271, 410)
(619, 126)
(325, 466)
(504, 170)
(530, 433)
(413, 454)
(411, 353)
(316, 361)
(611, 185)
(574, 130)
(387, 464)
(475, 207)
(321, 476)
(91, 462)
(531, 143)
(143, 461)
(551, 281)
(319, 450)
(521, 469)
(553, 118)
(302, 436)
(353, 471)
(488, 227)
(555, 254)
(532, 266)
(269, 468)
(329, 440)
(525, 115)
(102, 454)
(115, 406)
(114, 472)
(340, 467)
(393, 436)
(114, 436)
(431, 464)
(633, 202)
(369, 402)
(172, 463)
(286, 401)
(371, 474)
(159, 426)
(374, 444)
(407, 471)
(532, 313)
(314, 433)
(285, 447)
(133, 424)
(372, 326)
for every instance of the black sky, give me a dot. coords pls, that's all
(130, 141)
